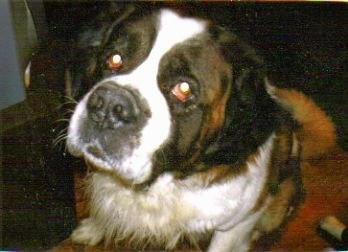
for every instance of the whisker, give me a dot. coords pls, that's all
(70, 99)
(61, 138)
(68, 102)
(60, 125)
(62, 120)
(62, 131)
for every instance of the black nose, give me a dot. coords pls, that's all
(110, 106)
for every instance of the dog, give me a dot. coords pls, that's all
(185, 135)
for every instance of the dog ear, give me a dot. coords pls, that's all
(248, 68)
(251, 116)
(98, 32)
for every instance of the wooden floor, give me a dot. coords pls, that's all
(326, 183)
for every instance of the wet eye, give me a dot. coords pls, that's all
(182, 91)
(114, 61)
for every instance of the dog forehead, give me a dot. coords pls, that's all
(172, 30)
(175, 29)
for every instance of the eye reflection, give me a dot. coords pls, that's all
(115, 61)
(182, 91)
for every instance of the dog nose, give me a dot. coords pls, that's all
(110, 106)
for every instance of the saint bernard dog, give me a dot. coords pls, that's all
(184, 135)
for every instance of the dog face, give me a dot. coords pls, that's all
(183, 134)
(168, 93)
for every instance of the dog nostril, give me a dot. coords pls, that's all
(118, 109)
(99, 103)
(95, 107)
(96, 101)
(121, 113)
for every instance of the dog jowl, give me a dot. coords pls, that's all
(184, 135)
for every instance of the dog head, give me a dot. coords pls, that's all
(166, 93)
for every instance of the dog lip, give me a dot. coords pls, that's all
(73, 148)
(96, 156)
(95, 151)
(97, 160)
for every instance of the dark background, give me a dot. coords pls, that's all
(304, 44)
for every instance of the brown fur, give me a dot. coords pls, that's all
(315, 136)
(317, 133)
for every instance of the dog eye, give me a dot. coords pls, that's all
(182, 91)
(114, 61)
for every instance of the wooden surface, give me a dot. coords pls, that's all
(326, 184)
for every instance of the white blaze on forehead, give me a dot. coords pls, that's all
(172, 30)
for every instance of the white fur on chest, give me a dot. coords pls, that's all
(170, 208)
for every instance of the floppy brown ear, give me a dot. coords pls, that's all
(251, 115)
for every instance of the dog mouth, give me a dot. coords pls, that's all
(97, 157)
(117, 167)
(95, 152)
